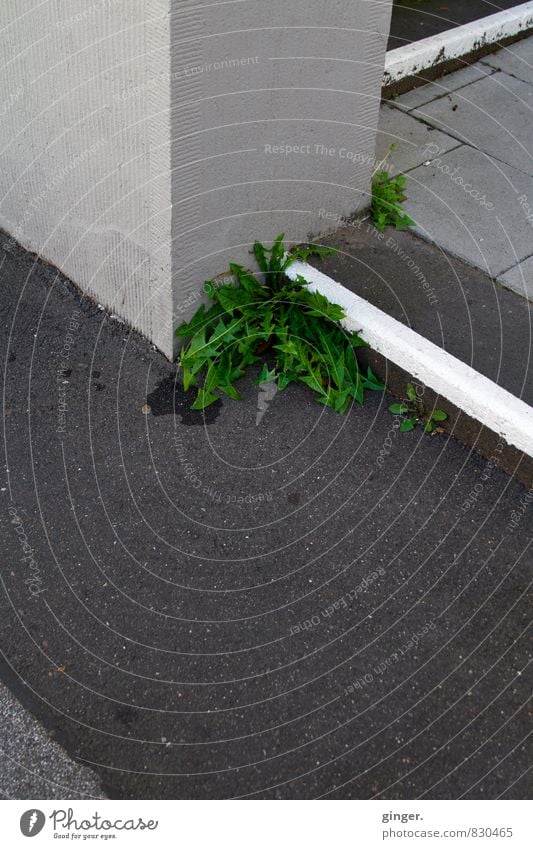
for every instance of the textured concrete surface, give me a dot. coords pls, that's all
(134, 157)
(271, 603)
(278, 121)
(475, 200)
(84, 141)
(32, 765)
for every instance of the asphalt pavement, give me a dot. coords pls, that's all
(272, 601)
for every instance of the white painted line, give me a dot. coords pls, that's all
(411, 59)
(476, 395)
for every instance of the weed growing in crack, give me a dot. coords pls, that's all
(299, 329)
(387, 198)
(413, 412)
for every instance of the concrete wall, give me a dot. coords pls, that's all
(144, 143)
(85, 147)
(274, 114)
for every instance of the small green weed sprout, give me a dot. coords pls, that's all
(413, 412)
(387, 197)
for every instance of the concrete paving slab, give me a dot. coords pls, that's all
(32, 764)
(411, 136)
(516, 60)
(493, 115)
(451, 82)
(289, 605)
(520, 278)
(469, 205)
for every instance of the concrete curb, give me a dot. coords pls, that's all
(471, 392)
(412, 59)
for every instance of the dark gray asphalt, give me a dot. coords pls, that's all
(309, 606)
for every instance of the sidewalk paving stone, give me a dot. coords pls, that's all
(520, 278)
(494, 239)
(489, 113)
(494, 115)
(412, 138)
(516, 60)
(451, 82)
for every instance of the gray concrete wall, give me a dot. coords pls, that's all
(274, 114)
(144, 143)
(84, 147)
